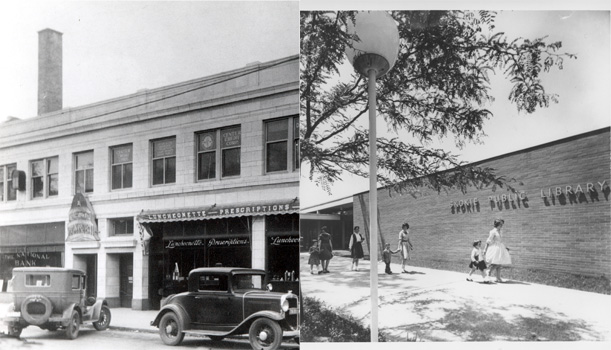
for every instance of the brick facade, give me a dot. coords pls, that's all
(558, 221)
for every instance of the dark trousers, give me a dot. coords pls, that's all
(388, 267)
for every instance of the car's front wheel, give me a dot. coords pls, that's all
(74, 325)
(265, 334)
(170, 329)
(104, 320)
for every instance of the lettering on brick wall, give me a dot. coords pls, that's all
(576, 193)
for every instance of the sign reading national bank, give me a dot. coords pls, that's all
(219, 212)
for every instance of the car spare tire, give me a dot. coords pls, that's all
(36, 309)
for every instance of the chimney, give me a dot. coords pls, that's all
(49, 71)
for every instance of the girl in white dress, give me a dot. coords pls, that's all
(404, 245)
(497, 255)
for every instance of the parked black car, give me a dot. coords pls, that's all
(226, 301)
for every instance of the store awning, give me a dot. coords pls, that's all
(219, 212)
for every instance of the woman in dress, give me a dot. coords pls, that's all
(326, 249)
(404, 245)
(497, 255)
(356, 248)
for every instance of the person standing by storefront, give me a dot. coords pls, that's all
(356, 248)
(326, 248)
(404, 246)
(497, 255)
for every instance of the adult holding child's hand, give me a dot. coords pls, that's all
(497, 255)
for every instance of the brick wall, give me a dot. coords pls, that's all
(548, 225)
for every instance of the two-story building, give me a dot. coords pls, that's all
(140, 189)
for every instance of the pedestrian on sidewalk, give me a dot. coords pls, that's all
(404, 246)
(356, 248)
(314, 257)
(477, 261)
(497, 255)
(326, 248)
(386, 257)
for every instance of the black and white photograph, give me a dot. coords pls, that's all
(149, 175)
(455, 175)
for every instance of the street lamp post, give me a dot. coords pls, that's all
(373, 55)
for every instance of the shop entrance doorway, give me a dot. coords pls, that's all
(126, 279)
(89, 264)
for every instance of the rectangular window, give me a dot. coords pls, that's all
(164, 161)
(282, 144)
(214, 283)
(76, 282)
(83, 174)
(121, 226)
(44, 175)
(121, 166)
(7, 192)
(38, 280)
(206, 155)
(225, 143)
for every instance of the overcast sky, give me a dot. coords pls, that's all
(583, 89)
(116, 48)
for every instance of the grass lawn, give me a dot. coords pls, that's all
(598, 284)
(321, 323)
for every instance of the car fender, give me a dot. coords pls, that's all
(94, 310)
(183, 316)
(67, 314)
(245, 325)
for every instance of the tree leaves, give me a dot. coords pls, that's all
(439, 88)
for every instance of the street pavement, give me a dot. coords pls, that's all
(436, 305)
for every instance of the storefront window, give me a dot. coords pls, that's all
(121, 166)
(164, 161)
(281, 144)
(84, 172)
(44, 177)
(282, 234)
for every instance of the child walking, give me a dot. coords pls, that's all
(386, 255)
(314, 257)
(477, 261)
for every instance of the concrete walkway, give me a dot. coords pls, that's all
(436, 305)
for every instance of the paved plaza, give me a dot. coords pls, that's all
(437, 305)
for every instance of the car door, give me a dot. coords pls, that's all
(212, 302)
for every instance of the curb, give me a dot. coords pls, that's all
(129, 329)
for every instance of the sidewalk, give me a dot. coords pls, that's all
(133, 320)
(437, 305)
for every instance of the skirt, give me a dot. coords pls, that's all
(480, 265)
(497, 254)
(405, 251)
(357, 251)
(314, 259)
(325, 251)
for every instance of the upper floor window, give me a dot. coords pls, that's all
(282, 144)
(83, 173)
(121, 166)
(164, 161)
(7, 192)
(45, 177)
(221, 143)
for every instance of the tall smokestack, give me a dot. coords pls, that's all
(49, 71)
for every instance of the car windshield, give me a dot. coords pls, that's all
(244, 282)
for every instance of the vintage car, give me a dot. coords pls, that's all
(227, 301)
(52, 298)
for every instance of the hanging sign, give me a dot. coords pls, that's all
(81, 221)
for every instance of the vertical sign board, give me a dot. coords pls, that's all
(81, 221)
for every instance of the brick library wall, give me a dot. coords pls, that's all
(559, 219)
